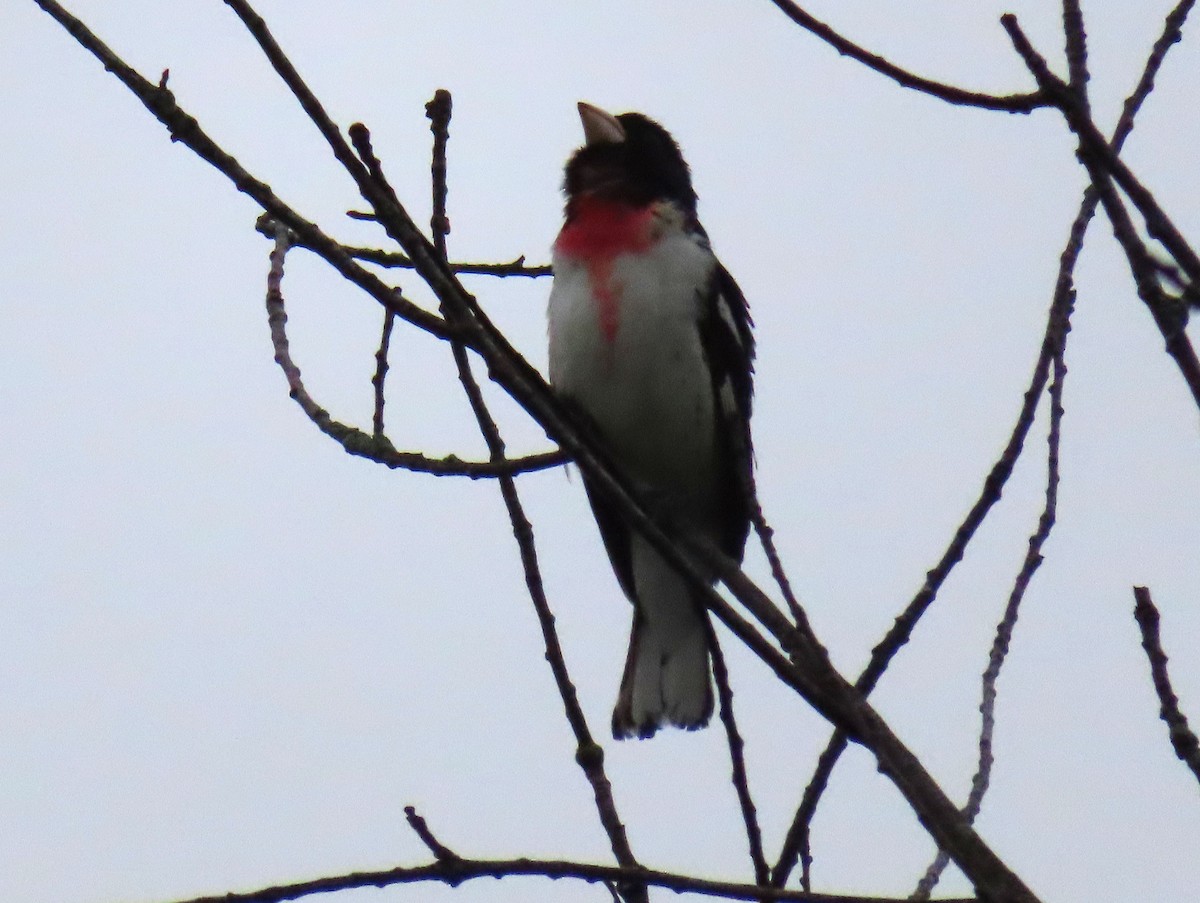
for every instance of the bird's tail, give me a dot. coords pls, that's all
(666, 679)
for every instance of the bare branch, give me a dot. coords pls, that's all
(186, 130)
(1183, 740)
(1076, 39)
(1098, 157)
(1004, 630)
(397, 260)
(737, 759)
(796, 844)
(372, 447)
(381, 369)
(453, 872)
(440, 851)
(1011, 103)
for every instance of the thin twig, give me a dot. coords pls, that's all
(1183, 740)
(1011, 103)
(185, 129)
(440, 851)
(737, 760)
(1076, 43)
(766, 536)
(397, 260)
(1004, 630)
(356, 442)
(1098, 157)
(381, 369)
(796, 844)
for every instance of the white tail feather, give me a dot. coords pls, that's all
(668, 672)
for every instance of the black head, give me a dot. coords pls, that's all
(628, 158)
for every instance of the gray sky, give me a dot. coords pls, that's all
(232, 653)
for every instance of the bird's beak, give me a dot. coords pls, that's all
(600, 127)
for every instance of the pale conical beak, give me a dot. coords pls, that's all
(600, 127)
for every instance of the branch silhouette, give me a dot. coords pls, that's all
(783, 641)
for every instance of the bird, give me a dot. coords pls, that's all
(650, 343)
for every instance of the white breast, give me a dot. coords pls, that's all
(648, 390)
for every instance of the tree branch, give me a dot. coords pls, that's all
(1004, 630)
(588, 753)
(1183, 740)
(1098, 157)
(796, 845)
(453, 872)
(403, 261)
(375, 447)
(737, 759)
(1010, 103)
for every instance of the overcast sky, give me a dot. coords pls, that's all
(232, 653)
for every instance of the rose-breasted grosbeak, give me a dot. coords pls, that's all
(650, 339)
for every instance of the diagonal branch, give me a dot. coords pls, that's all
(1011, 103)
(1183, 740)
(1004, 630)
(1100, 159)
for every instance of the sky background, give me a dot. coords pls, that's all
(232, 653)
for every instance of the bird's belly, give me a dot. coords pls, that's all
(646, 384)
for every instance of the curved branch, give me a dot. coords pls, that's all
(1009, 103)
(356, 442)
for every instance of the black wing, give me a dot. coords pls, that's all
(728, 343)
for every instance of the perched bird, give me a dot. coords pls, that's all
(650, 341)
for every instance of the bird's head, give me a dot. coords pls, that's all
(627, 159)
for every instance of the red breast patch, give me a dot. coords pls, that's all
(599, 231)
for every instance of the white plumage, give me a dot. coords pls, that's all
(649, 391)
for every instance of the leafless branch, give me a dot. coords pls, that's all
(453, 872)
(440, 851)
(356, 442)
(1011, 103)
(381, 369)
(403, 261)
(1097, 156)
(1076, 41)
(1183, 740)
(737, 759)
(796, 845)
(1004, 630)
